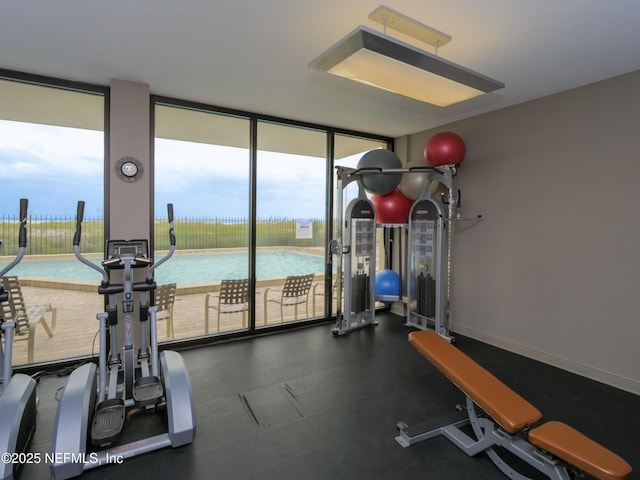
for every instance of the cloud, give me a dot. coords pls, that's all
(56, 166)
(31, 150)
(51, 166)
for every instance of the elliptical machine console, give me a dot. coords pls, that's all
(119, 248)
(129, 378)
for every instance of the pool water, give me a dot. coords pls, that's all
(187, 268)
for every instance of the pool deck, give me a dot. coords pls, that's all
(76, 326)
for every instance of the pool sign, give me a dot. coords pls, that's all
(304, 229)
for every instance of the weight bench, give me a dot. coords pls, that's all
(499, 417)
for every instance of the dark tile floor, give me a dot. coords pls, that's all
(306, 405)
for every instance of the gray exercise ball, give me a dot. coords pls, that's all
(380, 183)
(413, 185)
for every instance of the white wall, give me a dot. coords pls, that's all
(552, 270)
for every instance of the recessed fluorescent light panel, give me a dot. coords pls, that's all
(374, 58)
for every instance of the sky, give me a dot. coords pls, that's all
(54, 167)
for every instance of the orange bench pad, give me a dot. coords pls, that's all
(575, 448)
(505, 406)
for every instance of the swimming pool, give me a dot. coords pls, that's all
(187, 268)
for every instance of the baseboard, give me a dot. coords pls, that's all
(609, 378)
(399, 308)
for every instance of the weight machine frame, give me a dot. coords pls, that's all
(431, 226)
(360, 214)
(348, 320)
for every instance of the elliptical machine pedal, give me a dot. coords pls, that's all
(147, 391)
(108, 422)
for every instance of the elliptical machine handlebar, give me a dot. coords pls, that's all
(76, 245)
(105, 274)
(79, 217)
(172, 237)
(9, 327)
(172, 247)
(22, 237)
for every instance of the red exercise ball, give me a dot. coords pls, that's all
(445, 148)
(393, 207)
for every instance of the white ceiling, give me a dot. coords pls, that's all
(252, 54)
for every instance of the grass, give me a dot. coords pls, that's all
(53, 236)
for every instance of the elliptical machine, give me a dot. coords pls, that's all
(17, 392)
(94, 405)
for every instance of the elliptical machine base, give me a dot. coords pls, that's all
(71, 430)
(17, 421)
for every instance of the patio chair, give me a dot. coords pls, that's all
(232, 297)
(26, 317)
(295, 291)
(164, 297)
(318, 290)
(316, 293)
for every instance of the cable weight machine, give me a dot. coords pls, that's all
(429, 273)
(430, 265)
(357, 243)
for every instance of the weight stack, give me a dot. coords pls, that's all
(359, 292)
(431, 296)
(420, 290)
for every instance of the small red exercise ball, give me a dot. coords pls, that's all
(393, 207)
(445, 148)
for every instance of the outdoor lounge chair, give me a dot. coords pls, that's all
(164, 297)
(26, 318)
(318, 293)
(232, 297)
(295, 291)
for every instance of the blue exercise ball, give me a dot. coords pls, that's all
(380, 183)
(387, 283)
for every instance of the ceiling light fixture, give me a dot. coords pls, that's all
(384, 62)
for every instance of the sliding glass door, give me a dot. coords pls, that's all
(290, 224)
(251, 200)
(202, 165)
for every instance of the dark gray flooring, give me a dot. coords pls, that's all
(307, 405)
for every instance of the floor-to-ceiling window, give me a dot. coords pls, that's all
(251, 192)
(250, 201)
(52, 153)
(251, 197)
(201, 166)
(290, 228)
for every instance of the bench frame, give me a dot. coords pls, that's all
(489, 435)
